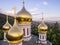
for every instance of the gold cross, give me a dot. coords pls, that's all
(14, 8)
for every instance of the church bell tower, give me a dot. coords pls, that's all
(24, 19)
(42, 29)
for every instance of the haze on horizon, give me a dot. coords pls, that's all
(51, 8)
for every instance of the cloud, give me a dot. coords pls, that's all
(37, 5)
(34, 11)
(36, 14)
(10, 12)
(45, 3)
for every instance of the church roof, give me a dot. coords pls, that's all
(24, 13)
(42, 25)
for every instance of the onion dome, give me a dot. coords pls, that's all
(15, 34)
(6, 26)
(23, 16)
(42, 28)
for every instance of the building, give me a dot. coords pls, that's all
(24, 19)
(15, 36)
(42, 29)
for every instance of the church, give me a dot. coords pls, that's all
(20, 32)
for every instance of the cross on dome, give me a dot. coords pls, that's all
(42, 17)
(23, 3)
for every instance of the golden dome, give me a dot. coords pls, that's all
(42, 28)
(24, 13)
(15, 34)
(23, 16)
(6, 26)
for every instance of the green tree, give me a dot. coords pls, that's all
(54, 39)
(1, 35)
(53, 34)
(34, 29)
(49, 34)
(56, 27)
(58, 38)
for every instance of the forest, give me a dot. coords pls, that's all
(53, 32)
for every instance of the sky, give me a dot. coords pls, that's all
(50, 8)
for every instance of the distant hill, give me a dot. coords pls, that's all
(11, 20)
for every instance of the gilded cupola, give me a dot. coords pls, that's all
(15, 34)
(23, 16)
(6, 26)
(42, 28)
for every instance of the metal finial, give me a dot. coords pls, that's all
(14, 9)
(42, 17)
(23, 2)
(7, 16)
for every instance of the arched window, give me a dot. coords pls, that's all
(27, 31)
(24, 31)
(42, 37)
